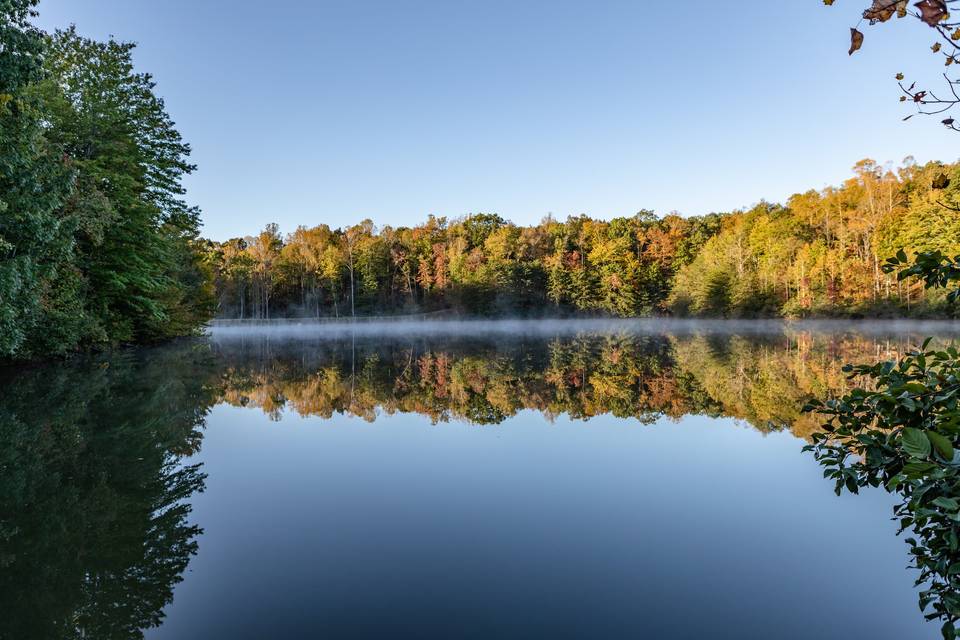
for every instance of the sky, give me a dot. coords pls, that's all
(308, 112)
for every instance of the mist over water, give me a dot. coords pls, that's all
(224, 330)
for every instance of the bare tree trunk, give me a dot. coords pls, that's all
(353, 311)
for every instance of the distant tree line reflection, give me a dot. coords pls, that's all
(761, 380)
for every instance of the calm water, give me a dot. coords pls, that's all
(444, 481)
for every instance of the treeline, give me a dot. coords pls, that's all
(478, 265)
(820, 254)
(97, 246)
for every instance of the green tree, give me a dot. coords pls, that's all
(136, 237)
(40, 307)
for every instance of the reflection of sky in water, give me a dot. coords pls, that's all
(605, 528)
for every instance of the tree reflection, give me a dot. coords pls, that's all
(762, 380)
(94, 530)
(95, 490)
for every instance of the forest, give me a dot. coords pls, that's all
(820, 254)
(97, 245)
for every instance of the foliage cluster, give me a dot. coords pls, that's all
(97, 246)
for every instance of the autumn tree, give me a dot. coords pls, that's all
(264, 249)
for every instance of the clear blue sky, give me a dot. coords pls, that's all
(302, 112)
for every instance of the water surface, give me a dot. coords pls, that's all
(493, 480)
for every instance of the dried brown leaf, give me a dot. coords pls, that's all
(856, 41)
(883, 10)
(932, 11)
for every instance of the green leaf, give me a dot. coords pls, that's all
(916, 470)
(915, 443)
(948, 630)
(947, 503)
(942, 444)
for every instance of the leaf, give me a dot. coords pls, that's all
(942, 444)
(947, 503)
(918, 469)
(883, 10)
(915, 443)
(932, 11)
(948, 630)
(856, 41)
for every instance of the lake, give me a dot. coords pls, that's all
(447, 480)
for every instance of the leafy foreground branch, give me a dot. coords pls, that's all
(902, 432)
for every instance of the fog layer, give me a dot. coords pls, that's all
(311, 329)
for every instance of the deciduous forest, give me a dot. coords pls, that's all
(820, 254)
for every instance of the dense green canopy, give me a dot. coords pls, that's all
(97, 246)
